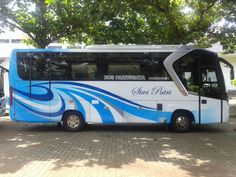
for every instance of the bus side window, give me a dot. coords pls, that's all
(74, 66)
(39, 66)
(156, 69)
(85, 66)
(23, 65)
(123, 66)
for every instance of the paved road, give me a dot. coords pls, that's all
(117, 151)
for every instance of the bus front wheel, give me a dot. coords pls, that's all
(181, 122)
(73, 121)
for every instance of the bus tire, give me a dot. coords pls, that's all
(73, 121)
(181, 121)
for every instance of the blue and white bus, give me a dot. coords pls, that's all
(176, 85)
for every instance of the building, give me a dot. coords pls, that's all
(15, 40)
(10, 40)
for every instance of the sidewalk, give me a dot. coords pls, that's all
(103, 151)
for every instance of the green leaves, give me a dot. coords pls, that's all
(43, 21)
(125, 21)
(56, 1)
(50, 1)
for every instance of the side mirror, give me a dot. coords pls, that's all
(230, 66)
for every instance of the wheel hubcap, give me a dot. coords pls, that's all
(73, 121)
(182, 122)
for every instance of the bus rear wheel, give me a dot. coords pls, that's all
(181, 122)
(73, 121)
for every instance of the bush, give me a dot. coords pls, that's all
(233, 82)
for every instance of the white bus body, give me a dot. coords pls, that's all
(175, 85)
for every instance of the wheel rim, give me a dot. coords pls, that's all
(73, 121)
(182, 122)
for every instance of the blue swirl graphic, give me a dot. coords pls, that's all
(46, 114)
(88, 93)
(97, 89)
(78, 104)
(106, 115)
(143, 113)
(41, 97)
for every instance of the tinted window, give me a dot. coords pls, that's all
(92, 66)
(74, 66)
(40, 66)
(35, 63)
(188, 72)
(156, 69)
(124, 66)
(23, 68)
(209, 80)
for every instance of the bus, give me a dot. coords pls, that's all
(179, 86)
(2, 94)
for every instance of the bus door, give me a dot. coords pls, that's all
(40, 93)
(212, 89)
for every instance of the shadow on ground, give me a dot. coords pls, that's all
(207, 151)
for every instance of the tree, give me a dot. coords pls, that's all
(124, 21)
(155, 21)
(165, 22)
(43, 21)
(226, 33)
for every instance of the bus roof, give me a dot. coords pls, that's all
(158, 48)
(114, 48)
